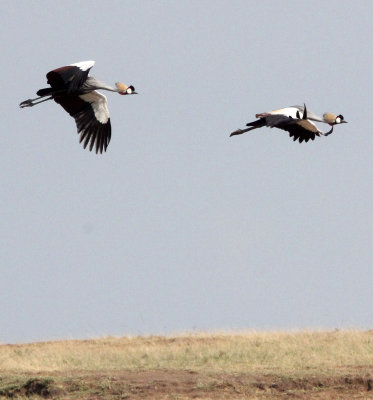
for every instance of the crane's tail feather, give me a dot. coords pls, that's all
(45, 92)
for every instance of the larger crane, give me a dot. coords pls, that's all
(75, 91)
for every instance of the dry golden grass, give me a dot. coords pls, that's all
(280, 352)
(307, 365)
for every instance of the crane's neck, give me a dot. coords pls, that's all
(314, 117)
(92, 84)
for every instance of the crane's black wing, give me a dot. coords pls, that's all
(298, 129)
(91, 117)
(70, 77)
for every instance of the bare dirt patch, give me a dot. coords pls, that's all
(182, 385)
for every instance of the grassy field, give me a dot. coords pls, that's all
(304, 365)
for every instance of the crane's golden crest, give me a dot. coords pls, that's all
(121, 86)
(330, 118)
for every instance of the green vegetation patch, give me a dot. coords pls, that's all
(18, 387)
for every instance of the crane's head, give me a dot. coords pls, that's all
(333, 119)
(124, 89)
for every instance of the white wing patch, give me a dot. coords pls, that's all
(99, 105)
(84, 65)
(288, 112)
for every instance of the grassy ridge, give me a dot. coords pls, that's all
(298, 353)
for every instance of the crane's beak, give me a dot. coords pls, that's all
(343, 122)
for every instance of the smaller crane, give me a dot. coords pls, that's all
(75, 91)
(296, 120)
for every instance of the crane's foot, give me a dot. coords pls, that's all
(26, 103)
(237, 132)
(33, 102)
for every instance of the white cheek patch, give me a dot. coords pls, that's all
(337, 120)
(129, 91)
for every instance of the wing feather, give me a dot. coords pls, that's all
(91, 117)
(70, 77)
(299, 129)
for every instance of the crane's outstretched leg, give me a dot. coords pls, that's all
(240, 131)
(32, 102)
(253, 125)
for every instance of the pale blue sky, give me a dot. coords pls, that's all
(179, 227)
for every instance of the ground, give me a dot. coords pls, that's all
(265, 365)
(182, 385)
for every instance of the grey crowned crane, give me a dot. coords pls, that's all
(296, 120)
(75, 91)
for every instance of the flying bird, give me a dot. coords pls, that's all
(296, 120)
(75, 91)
